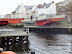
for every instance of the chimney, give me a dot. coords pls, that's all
(52, 1)
(44, 3)
(18, 4)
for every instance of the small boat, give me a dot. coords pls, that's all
(6, 52)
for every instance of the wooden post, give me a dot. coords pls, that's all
(0, 41)
(7, 40)
(27, 41)
(51, 31)
(13, 40)
(21, 40)
(40, 30)
(28, 31)
(45, 30)
(69, 30)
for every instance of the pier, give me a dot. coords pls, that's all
(14, 37)
(61, 27)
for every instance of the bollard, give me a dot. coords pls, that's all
(32, 52)
(0, 40)
(27, 30)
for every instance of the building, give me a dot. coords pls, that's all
(22, 11)
(62, 3)
(67, 1)
(63, 10)
(66, 10)
(28, 11)
(43, 11)
(8, 16)
(13, 14)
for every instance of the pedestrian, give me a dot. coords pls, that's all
(1, 50)
(32, 52)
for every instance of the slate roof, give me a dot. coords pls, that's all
(44, 5)
(18, 7)
(28, 7)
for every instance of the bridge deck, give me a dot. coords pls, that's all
(60, 24)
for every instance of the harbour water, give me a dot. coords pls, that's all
(46, 44)
(51, 44)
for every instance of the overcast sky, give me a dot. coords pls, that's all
(7, 6)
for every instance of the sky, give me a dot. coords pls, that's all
(8, 6)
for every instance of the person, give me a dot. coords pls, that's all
(1, 49)
(31, 17)
(6, 52)
(36, 18)
(32, 52)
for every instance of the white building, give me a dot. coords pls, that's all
(28, 12)
(22, 11)
(44, 12)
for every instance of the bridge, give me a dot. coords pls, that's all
(6, 21)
